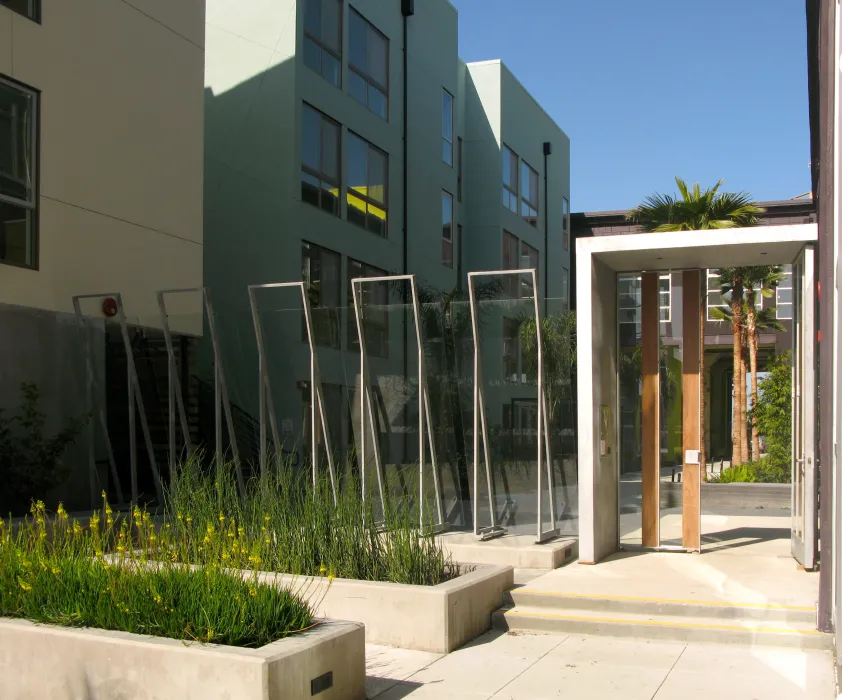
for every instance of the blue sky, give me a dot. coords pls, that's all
(650, 89)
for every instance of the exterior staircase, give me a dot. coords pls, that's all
(677, 620)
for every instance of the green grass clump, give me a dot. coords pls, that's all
(285, 524)
(56, 572)
(763, 471)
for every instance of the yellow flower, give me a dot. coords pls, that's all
(266, 517)
(24, 585)
(158, 599)
(179, 516)
(188, 519)
(120, 547)
(61, 512)
(56, 570)
(253, 592)
(322, 570)
(221, 518)
(267, 541)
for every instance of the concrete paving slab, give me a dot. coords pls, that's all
(519, 551)
(388, 666)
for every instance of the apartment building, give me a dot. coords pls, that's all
(345, 138)
(101, 112)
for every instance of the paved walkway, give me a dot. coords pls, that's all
(521, 666)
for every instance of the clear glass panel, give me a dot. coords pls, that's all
(447, 116)
(312, 55)
(378, 57)
(331, 68)
(17, 115)
(357, 163)
(357, 87)
(630, 408)
(377, 175)
(311, 138)
(332, 24)
(377, 101)
(330, 149)
(16, 234)
(358, 38)
(447, 152)
(313, 18)
(671, 432)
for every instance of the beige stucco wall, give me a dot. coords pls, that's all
(121, 148)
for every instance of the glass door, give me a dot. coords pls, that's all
(804, 472)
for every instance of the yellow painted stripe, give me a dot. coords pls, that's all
(662, 623)
(723, 603)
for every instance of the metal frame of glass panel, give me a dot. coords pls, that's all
(481, 422)
(135, 404)
(175, 400)
(424, 412)
(317, 400)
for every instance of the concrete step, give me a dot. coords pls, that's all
(662, 627)
(552, 601)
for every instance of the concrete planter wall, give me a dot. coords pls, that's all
(428, 618)
(44, 661)
(746, 496)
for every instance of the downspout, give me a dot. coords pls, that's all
(547, 151)
(407, 10)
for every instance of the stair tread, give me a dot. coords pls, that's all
(630, 618)
(584, 597)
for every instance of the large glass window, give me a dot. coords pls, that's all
(321, 269)
(565, 222)
(27, 8)
(528, 194)
(511, 251)
(665, 298)
(528, 261)
(18, 160)
(320, 160)
(715, 300)
(511, 350)
(374, 303)
(368, 173)
(447, 127)
(369, 63)
(446, 229)
(783, 294)
(323, 38)
(510, 160)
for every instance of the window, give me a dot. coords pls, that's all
(320, 160)
(510, 262)
(18, 162)
(565, 222)
(27, 8)
(715, 300)
(322, 272)
(459, 171)
(446, 229)
(529, 194)
(783, 294)
(374, 301)
(630, 291)
(368, 177)
(323, 38)
(664, 297)
(528, 261)
(447, 127)
(509, 179)
(369, 64)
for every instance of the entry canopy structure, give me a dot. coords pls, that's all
(599, 261)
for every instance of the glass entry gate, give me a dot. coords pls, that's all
(804, 471)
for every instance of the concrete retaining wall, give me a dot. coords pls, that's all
(724, 497)
(43, 661)
(429, 618)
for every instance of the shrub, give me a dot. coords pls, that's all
(56, 573)
(31, 462)
(284, 524)
(764, 471)
(773, 416)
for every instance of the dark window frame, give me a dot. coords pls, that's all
(531, 214)
(321, 176)
(324, 47)
(34, 14)
(33, 207)
(447, 243)
(380, 331)
(510, 195)
(352, 191)
(444, 138)
(332, 311)
(363, 72)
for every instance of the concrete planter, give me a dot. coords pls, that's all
(746, 496)
(428, 618)
(44, 661)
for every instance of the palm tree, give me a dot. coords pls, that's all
(699, 210)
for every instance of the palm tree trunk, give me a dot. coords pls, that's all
(745, 443)
(738, 397)
(702, 433)
(752, 348)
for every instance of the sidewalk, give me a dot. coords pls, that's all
(524, 666)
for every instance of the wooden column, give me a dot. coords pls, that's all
(691, 392)
(651, 447)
